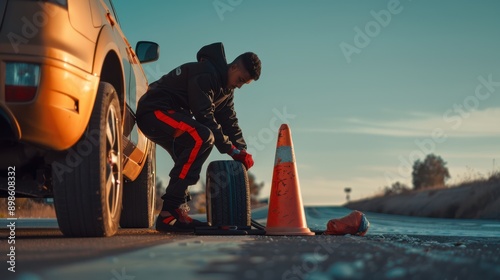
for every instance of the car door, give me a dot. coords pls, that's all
(134, 143)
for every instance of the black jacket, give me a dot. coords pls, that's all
(199, 88)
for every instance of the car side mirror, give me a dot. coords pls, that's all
(147, 51)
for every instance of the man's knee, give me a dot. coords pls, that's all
(207, 137)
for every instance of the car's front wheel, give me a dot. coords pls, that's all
(88, 179)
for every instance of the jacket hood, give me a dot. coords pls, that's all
(216, 55)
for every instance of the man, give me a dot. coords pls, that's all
(189, 110)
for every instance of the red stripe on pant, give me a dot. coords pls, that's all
(185, 128)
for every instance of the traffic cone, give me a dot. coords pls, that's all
(286, 212)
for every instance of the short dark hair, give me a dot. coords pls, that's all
(251, 62)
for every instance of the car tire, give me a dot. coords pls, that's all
(228, 194)
(139, 196)
(87, 179)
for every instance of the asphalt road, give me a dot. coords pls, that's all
(42, 252)
(40, 246)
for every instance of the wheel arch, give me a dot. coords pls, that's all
(108, 65)
(110, 74)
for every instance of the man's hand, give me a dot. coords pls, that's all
(242, 156)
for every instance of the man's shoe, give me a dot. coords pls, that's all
(178, 221)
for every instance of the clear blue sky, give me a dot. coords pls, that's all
(367, 87)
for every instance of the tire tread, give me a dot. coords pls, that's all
(229, 194)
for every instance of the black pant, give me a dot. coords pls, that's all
(188, 142)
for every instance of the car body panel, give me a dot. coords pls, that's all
(77, 47)
(59, 113)
(3, 6)
(79, 14)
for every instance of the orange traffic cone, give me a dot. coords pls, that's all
(286, 213)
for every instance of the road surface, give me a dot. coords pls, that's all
(396, 247)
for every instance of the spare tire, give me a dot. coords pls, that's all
(228, 194)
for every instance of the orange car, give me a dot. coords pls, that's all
(69, 86)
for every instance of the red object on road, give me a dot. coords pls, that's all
(355, 223)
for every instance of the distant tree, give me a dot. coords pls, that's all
(160, 190)
(494, 177)
(396, 188)
(255, 188)
(198, 203)
(430, 173)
